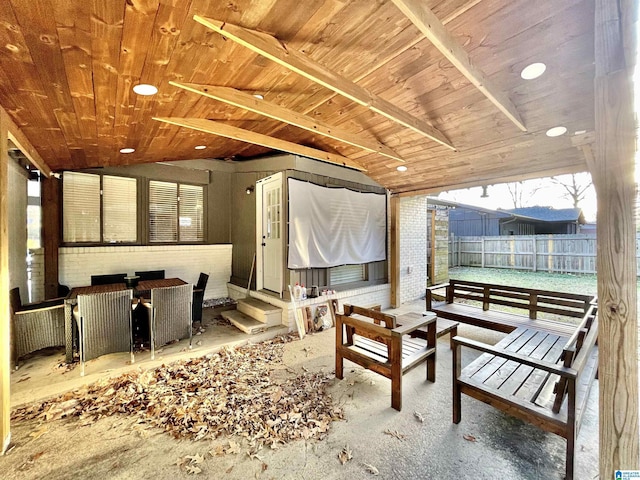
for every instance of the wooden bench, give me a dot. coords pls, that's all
(540, 377)
(526, 302)
(376, 341)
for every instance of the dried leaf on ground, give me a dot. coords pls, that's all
(39, 432)
(195, 459)
(395, 433)
(371, 469)
(232, 393)
(419, 416)
(193, 470)
(469, 438)
(345, 455)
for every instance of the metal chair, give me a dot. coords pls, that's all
(198, 297)
(36, 325)
(170, 315)
(107, 279)
(104, 324)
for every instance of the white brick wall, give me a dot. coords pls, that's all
(77, 264)
(413, 247)
(37, 275)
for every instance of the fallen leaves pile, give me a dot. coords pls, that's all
(231, 392)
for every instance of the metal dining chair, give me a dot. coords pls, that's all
(170, 315)
(104, 324)
(198, 297)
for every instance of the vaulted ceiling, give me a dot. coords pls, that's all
(452, 108)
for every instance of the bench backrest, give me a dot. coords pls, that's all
(531, 300)
(576, 351)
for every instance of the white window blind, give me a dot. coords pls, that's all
(346, 274)
(163, 211)
(190, 204)
(119, 209)
(81, 207)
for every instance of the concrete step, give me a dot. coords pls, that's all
(243, 322)
(261, 311)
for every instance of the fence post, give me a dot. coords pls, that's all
(482, 252)
(535, 253)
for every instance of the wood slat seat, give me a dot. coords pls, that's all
(524, 305)
(538, 376)
(377, 342)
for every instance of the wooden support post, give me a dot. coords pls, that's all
(51, 211)
(613, 171)
(5, 360)
(395, 251)
(432, 273)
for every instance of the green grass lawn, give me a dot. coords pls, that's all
(559, 282)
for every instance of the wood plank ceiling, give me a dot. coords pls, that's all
(67, 68)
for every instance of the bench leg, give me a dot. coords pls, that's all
(395, 358)
(339, 359)
(432, 342)
(396, 391)
(453, 333)
(571, 444)
(457, 413)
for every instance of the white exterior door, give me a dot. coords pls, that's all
(270, 233)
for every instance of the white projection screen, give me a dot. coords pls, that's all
(334, 226)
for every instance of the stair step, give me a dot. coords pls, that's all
(243, 322)
(261, 311)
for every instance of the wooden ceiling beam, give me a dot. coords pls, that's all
(274, 50)
(433, 29)
(235, 133)
(22, 142)
(240, 99)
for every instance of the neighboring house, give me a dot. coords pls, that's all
(542, 220)
(472, 221)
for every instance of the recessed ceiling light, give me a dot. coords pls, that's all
(200, 147)
(401, 168)
(556, 131)
(145, 89)
(258, 96)
(533, 71)
(580, 132)
(127, 150)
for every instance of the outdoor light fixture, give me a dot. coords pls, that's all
(556, 131)
(200, 147)
(145, 89)
(127, 150)
(533, 71)
(258, 96)
(250, 189)
(401, 168)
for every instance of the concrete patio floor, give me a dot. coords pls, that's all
(485, 445)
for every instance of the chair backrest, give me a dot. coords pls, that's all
(151, 275)
(171, 313)
(107, 279)
(14, 299)
(202, 281)
(105, 323)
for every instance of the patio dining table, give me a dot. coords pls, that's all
(143, 289)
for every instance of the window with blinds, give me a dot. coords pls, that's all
(176, 212)
(190, 205)
(119, 199)
(81, 207)
(85, 210)
(347, 274)
(163, 211)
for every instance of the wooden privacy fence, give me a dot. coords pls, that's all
(544, 253)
